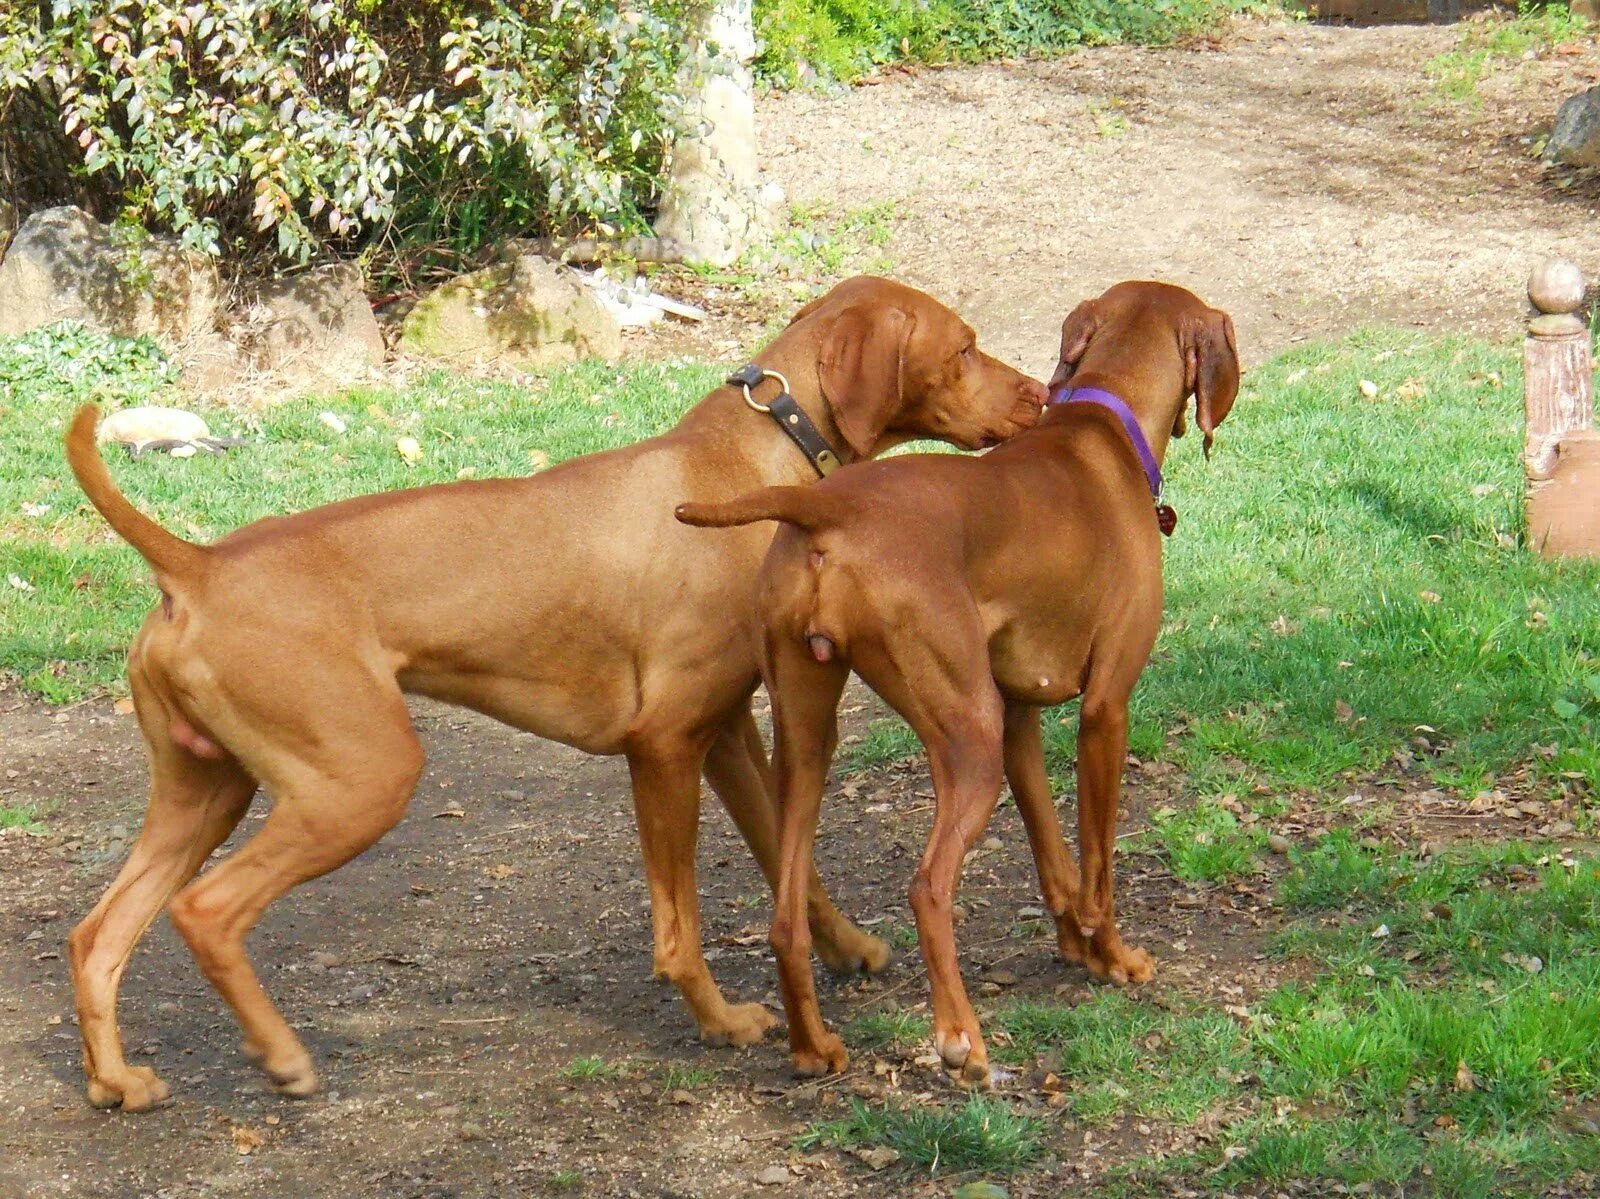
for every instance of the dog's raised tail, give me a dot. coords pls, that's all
(174, 560)
(807, 507)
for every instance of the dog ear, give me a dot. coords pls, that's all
(1076, 332)
(1211, 369)
(862, 371)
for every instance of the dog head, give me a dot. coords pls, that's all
(895, 364)
(1114, 334)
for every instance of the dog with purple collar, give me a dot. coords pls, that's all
(972, 593)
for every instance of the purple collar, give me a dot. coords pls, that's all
(1130, 424)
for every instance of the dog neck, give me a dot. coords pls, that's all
(762, 443)
(1156, 403)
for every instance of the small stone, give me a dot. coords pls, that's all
(1278, 843)
(993, 844)
(988, 988)
(878, 1158)
(1369, 389)
(1563, 828)
(681, 1098)
(470, 1131)
(1002, 978)
(513, 796)
(957, 913)
(981, 1190)
(775, 1176)
(323, 960)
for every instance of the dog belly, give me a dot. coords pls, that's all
(594, 718)
(1037, 667)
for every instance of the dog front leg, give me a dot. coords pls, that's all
(666, 799)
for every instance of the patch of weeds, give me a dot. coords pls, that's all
(901, 935)
(564, 1180)
(886, 740)
(1206, 843)
(23, 816)
(883, 1030)
(1335, 871)
(1119, 1056)
(593, 1068)
(981, 1134)
(680, 1076)
(1487, 45)
(1109, 119)
(818, 243)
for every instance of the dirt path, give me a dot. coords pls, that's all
(447, 979)
(1307, 179)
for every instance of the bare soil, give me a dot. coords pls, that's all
(1303, 178)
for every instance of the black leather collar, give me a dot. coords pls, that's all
(789, 416)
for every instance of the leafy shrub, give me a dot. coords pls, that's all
(342, 125)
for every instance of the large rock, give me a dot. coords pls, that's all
(65, 265)
(1575, 141)
(529, 311)
(314, 328)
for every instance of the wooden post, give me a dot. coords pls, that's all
(1561, 451)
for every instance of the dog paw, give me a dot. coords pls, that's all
(743, 1024)
(1121, 965)
(826, 1057)
(137, 1089)
(848, 950)
(296, 1081)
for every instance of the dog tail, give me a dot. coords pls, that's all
(174, 560)
(807, 507)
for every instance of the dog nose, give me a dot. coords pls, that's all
(1033, 391)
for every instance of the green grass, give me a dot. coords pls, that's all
(1491, 44)
(23, 816)
(683, 1076)
(1440, 1058)
(881, 1030)
(1205, 842)
(978, 1134)
(593, 1068)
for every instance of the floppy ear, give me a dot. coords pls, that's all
(1076, 331)
(1211, 369)
(861, 368)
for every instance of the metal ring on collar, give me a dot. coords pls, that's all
(765, 374)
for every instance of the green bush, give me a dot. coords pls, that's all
(296, 130)
(843, 39)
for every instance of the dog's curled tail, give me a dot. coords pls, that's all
(175, 560)
(808, 507)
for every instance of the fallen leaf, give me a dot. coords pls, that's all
(1343, 712)
(123, 707)
(20, 583)
(450, 814)
(333, 421)
(500, 870)
(410, 449)
(246, 1140)
(1429, 597)
(1466, 1080)
(1368, 389)
(538, 459)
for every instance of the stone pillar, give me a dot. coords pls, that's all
(1561, 449)
(712, 204)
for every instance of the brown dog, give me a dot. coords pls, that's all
(570, 604)
(969, 594)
